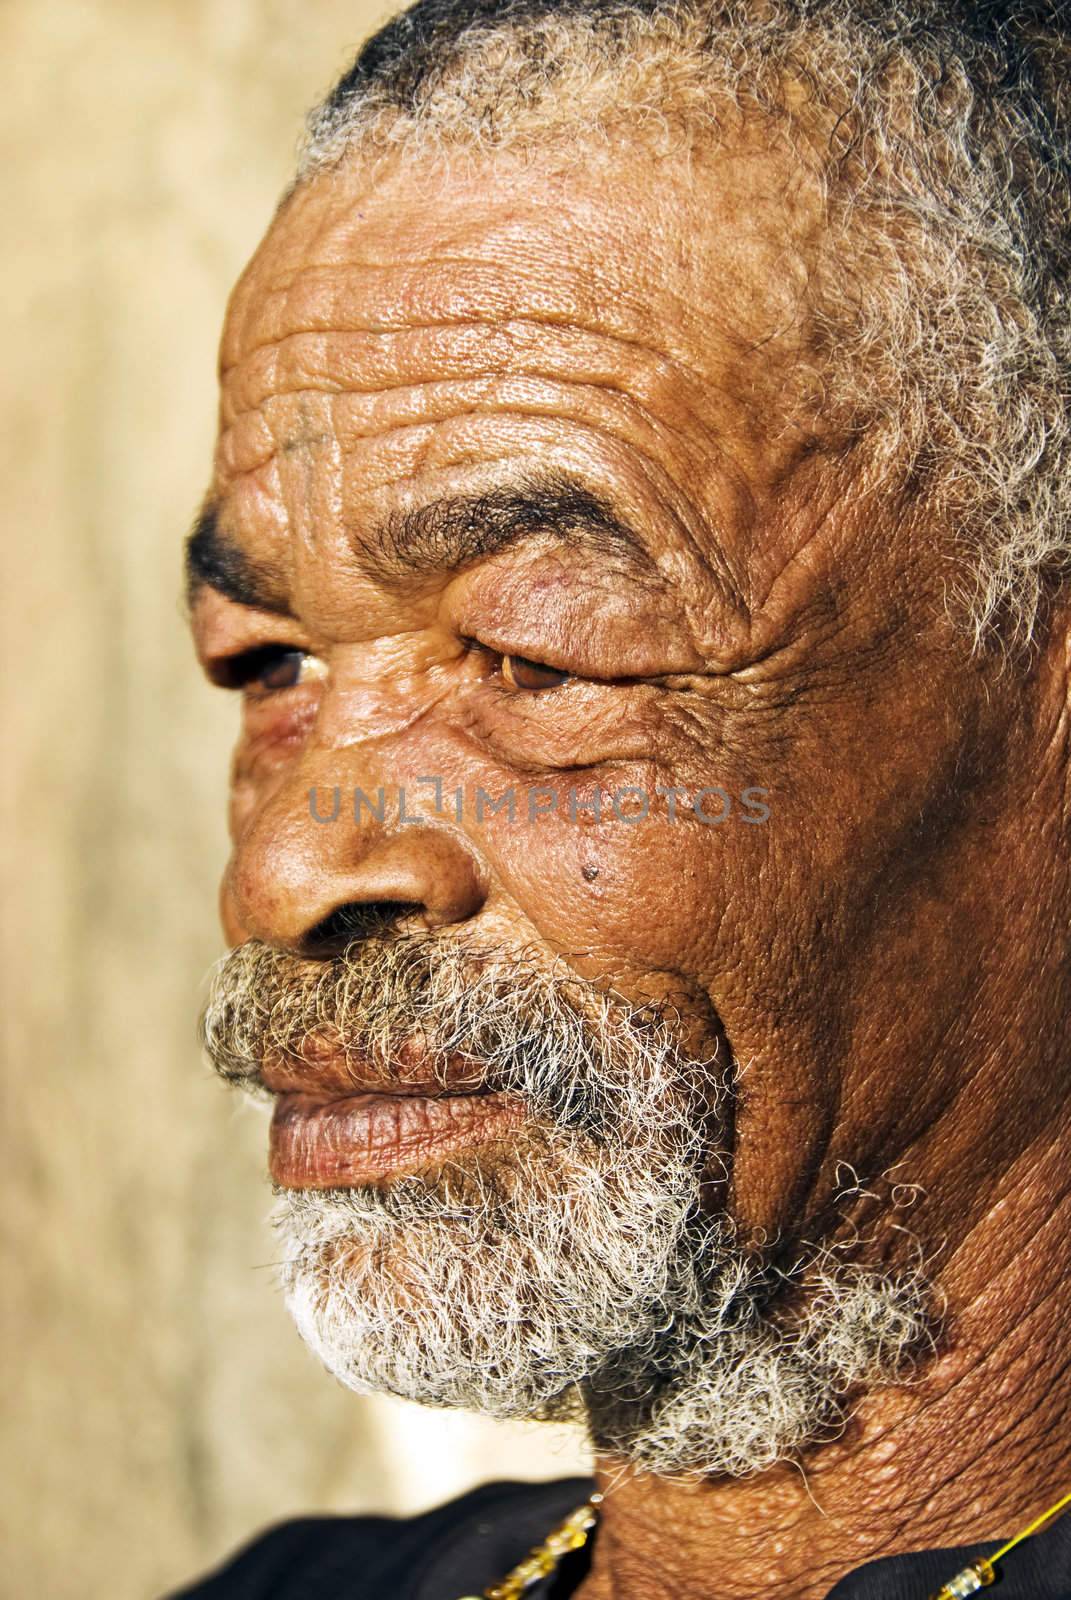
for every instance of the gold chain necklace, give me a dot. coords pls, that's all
(574, 1532)
(980, 1574)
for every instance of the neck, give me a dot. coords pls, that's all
(977, 1444)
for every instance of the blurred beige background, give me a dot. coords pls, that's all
(159, 1408)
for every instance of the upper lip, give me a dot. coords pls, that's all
(329, 1073)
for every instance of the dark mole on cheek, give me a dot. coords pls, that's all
(589, 873)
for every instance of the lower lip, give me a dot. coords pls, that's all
(331, 1144)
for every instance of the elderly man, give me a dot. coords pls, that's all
(639, 537)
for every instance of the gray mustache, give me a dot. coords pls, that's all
(422, 1004)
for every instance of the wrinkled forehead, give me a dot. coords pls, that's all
(699, 262)
(410, 328)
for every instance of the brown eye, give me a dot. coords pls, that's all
(520, 673)
(268, 669)
(282, 670)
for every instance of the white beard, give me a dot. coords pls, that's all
(569, 1268)
(589, 1299)
(565, 1274)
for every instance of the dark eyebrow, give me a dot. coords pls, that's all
(446, 535)
(214, 559)
(442, 536)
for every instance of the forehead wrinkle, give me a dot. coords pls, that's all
(353, 233)
(358, 361)
(390, 307)
(630, 375)
(347, 353)
(425, 297)
(604, 409)
(473, 325)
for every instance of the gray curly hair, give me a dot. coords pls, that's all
(940, 132)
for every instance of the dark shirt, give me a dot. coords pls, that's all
(462, 1547)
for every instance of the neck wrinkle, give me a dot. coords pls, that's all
(972, 1448)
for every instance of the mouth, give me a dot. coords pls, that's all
(363, 1138)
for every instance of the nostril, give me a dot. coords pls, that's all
(355, 920)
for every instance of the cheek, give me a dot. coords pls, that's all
(653, 893)
(275, 728)
(273, 736)
(582, 725)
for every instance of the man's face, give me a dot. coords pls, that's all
(522, 492)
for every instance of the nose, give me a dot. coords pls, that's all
(303, 884)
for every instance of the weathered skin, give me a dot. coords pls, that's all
(886, 957)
